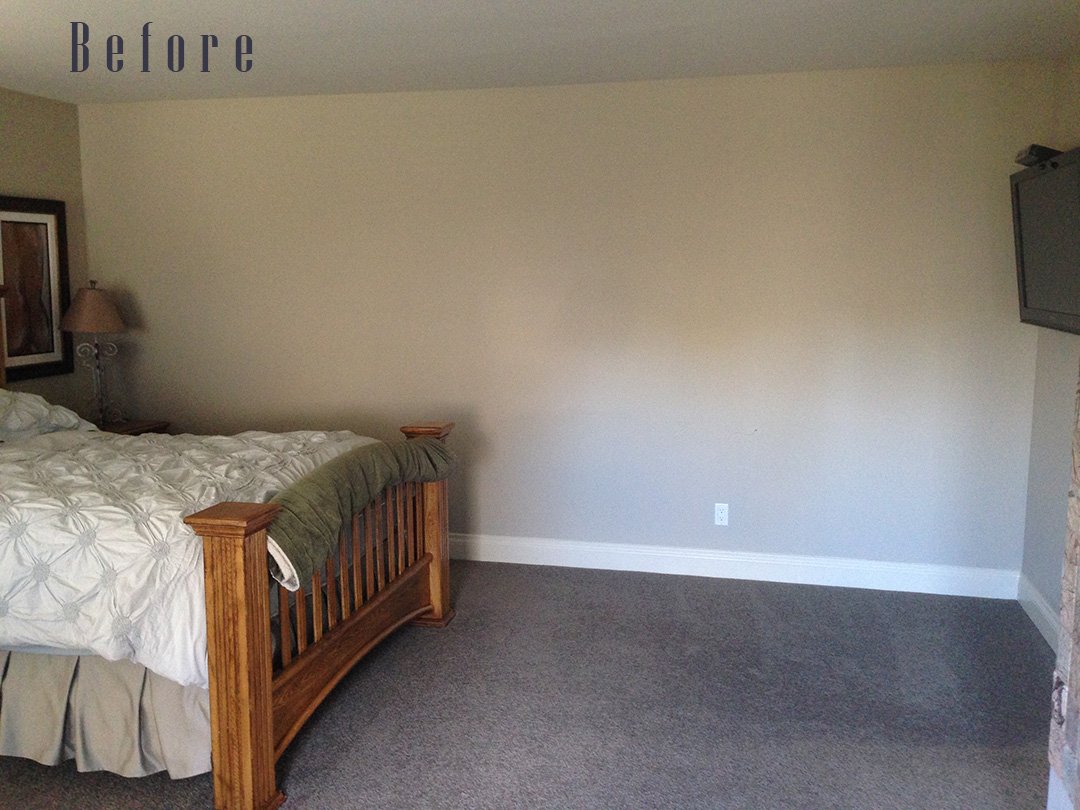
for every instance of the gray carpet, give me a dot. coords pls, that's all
(573, 689)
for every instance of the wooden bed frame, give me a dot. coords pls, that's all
(390, 567)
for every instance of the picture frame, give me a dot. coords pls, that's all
(34, 268)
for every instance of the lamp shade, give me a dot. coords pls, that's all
(92, 311)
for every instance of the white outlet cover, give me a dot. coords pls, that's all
(721, 514)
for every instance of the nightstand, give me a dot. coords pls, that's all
(134, 428)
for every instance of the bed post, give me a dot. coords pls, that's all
(238, 642)
(435, 528)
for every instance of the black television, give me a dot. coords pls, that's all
(1046, 227)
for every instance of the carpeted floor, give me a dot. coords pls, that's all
(572, 689)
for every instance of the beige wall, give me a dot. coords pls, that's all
(1058, 360)
(790, 293)
(39, 157)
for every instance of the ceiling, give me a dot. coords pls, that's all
(302, 47)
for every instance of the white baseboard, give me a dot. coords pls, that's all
(1057, 795)
(850, 573)
(1040, 611)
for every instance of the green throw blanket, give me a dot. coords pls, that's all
(316, 508)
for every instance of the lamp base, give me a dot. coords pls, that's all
(93, 356)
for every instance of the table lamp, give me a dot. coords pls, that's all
(93, 314)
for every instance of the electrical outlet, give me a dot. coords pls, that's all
(721, 514)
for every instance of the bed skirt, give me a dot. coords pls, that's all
(106, 715)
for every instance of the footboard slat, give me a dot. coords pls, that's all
(358, 591)
(418, 540)
(316, 607)
(380, 548)
(401, 534)
(409, 525)
(343, 567)
(388, 548)
(369, 552)
(331, 594)
(301, 621)
(284, 620)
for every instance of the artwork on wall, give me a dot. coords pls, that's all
(34, 268)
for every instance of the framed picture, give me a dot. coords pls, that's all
(34, 267)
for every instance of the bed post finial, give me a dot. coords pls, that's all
(436, 430)
(435, 525)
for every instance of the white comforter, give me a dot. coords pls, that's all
(94, 555)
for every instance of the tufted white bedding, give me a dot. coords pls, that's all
(94, 555)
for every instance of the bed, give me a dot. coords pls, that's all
(360, 559)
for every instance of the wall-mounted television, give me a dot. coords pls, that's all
(1046, 226)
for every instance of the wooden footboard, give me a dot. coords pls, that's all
(391, 566)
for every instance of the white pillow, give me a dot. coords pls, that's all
(25, 415)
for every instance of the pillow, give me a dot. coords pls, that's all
(25, 415)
